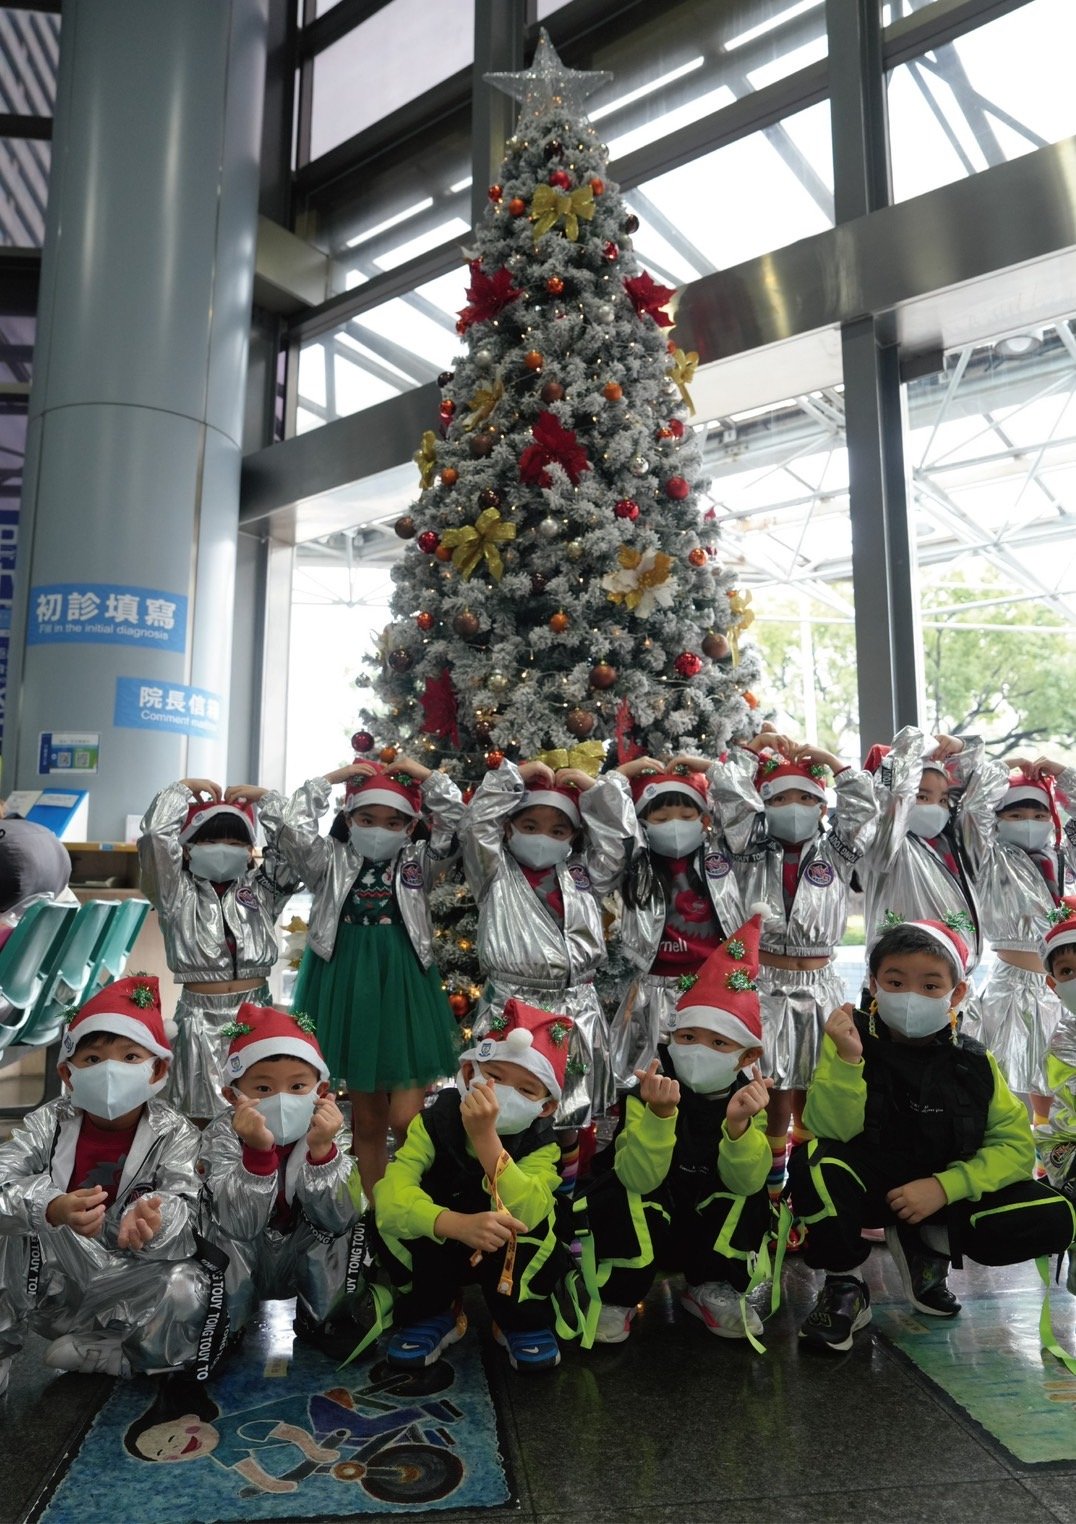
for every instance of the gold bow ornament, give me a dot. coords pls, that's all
(479, 541)
(642, 583)
(425, 458)
(743, 618)
(550, 206)
(681, 371)
(483, 404)
(587, 757)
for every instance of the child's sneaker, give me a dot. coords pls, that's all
(722, 1309)
(529, 1349)
(614, 1324)
(922, 1273)
(841, 1309)
(87, 1354)
(423, 1343)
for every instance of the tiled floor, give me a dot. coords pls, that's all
(678, 1426)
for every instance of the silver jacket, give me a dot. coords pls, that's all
(819, 914)
(329, 867)
(194, 918)
(518, 938)
(36, 1165)
(900, 873)
(641, 926)
(1014, 896)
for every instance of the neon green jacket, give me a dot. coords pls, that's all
(646, 1143)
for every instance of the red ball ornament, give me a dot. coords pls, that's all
(665, 433)
(687, 664)
(428, 541)
(495, 192)
(597, 185)
(517, 206)
(612, 391)
(424, 620)
(450, 476)
(494, 758)
(611, 252)
(579, 723)
(443, 553)
(677, 488)
(448, 407)
(467, 624)
(697, 557)
(561, 179)
(559, 622)
(626, 508)
(533, 359)
(489, 497)
(676, 428)
(405, 527)
(401, 660)
(459, 1005)
(362, 740)
(388, 754)
(602, 675)
(554, 285)
(552, 391)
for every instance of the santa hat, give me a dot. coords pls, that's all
(204, 810)
(1061, 931)
(947, 935)
(565, 799)
(1025, 790)
(125, 1008)
(878, 753)
(397, 791)
(647, 788)
(526, 1035)
(261, 1031)
(777, 774)
(724, 997)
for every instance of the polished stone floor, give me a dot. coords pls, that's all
(677, 1425)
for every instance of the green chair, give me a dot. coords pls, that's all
(71, 971)
(110, 959)
(26, 961)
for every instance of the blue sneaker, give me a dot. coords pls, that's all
(533, 1349)
(422, 1343)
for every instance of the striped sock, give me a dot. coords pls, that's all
(775, 1180)
(800, 1134)
(569, 1169)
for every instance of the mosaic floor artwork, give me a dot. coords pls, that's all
(989, 1363)
(291, 1440)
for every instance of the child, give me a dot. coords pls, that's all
(469, 1196)
(368, 978)
(97, 1198)
(528, 860)
(1021, 881)
(915, 1127)
(679, 894)
(1056, 1137)
(684, 1185)
(772, 798)
(935, 820)
(280, 1193)
(218, 915)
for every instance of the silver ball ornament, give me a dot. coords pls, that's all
(638, 465)
(548, 529)
(483, 357)
(497, 683)
(604, 312)
(668, 388)
(574, 550)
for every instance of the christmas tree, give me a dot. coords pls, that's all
(561, 588)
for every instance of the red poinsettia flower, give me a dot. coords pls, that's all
(552, 442)
(486, 295)
(647, 296)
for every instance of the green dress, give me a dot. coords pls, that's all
(383, 1020)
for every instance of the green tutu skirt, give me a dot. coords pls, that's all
(383, 1021)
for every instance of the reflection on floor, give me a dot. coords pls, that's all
(942, 1423)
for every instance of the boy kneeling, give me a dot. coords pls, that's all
(684, 1185)
(98, 1193)
(470, 1196)
(914, 1128)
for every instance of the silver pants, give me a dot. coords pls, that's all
(796, 1004)
(588, 1082)
(199, 1051)
(1014, 1015)
(297, 1264)
(644, 1019)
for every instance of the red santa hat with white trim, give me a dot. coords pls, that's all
(1025, 790)
(565, 799)
(526, 1035)
(1061, 931)
(878, 753)
(776, 774)
(397, 791)
(948, 936)
(128, 1007)
(649, 788)
(724, 997)
(202, 811)
(261, 1031)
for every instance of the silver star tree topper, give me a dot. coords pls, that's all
(547, 86)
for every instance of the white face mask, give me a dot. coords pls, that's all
(703, 1069)
(537, 851)
(913, 1015)
(288, 1117)
(376, 843)
(111, 1089)
(793, 822)
(1066, 993)
(928, 820)
(517, 1111)
(674, 838)
(1032, 835)
(218, 862)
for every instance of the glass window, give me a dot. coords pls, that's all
(893, 10)
(29, 57)
(761, 192)
(24, 189)
(992, 455)
(384, 63)
(998, 92)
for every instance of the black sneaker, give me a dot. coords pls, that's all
(842, 1308)
(922, 1273)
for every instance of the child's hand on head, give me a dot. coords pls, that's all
(83, 1211)
(947, 746)
(537, 772)
(657, 1091)
(243, 793)
(250, 1126)
(326, 1123)
(352, 770)
(140, 1224)
(687, 763)
(846, 1039)
(747, 1102)
(573, 776)
(479, 1110)
(410, 768)
(640, 765)
(918, 1199)
(203, 788)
